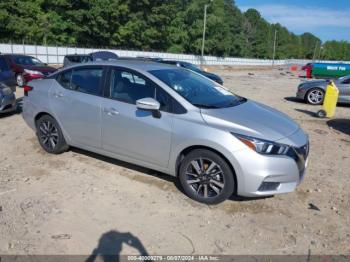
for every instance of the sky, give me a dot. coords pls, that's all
(327, 19)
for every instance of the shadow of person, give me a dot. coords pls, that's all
(110, 245)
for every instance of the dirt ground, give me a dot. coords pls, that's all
(79, 202)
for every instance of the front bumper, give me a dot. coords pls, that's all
(261, 175)
(301, 93)
(8, 103)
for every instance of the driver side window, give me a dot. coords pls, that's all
(129, 87)
(346, 81)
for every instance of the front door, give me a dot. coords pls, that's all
(129, 131)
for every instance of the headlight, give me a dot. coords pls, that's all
(263, 146)
(32, 72)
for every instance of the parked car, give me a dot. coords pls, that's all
(103, 56)
(313, 91)
(26, 67)
(7, 77)
(76, 59)
(172, 120)
(194, 68)
(7, 98)
(96, 56)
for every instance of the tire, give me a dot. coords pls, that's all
(50, 135)
(20, 80)
(321, 113)
(212, 186)
(315, 96)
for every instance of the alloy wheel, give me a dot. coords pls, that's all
(205, 177)
(48, 134)
(315, 96)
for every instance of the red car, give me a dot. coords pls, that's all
(27, 68)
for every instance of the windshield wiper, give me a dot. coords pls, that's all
(205, 106)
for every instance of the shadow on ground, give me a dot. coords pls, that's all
(153, 173)
(341, 125)
(110, 246)
(307, 112)
(294, 99)
(127, 165)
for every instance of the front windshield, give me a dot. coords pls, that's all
(197, 89)
(28, 60)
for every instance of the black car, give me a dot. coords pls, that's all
(194, 68)
(95, 56)
(76, 59)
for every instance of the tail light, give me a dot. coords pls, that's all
(26, 89)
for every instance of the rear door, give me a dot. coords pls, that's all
(129, 131)
(76, 100)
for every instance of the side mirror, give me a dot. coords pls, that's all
(149, 104)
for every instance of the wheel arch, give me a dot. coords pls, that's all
(189, 149)
(40, 114)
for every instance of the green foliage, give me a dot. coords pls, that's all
(161, 25)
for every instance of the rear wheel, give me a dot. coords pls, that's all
(20, 80)
(206, 177)
(50, 135)
(315, 96)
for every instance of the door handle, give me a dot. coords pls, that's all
(111, 111)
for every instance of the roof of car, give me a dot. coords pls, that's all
(136, 64)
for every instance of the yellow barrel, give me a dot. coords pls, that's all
(330, 99)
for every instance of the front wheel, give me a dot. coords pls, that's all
(315, 96)
(206, 177)
(50, 135)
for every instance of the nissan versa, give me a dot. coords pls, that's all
(172, 120)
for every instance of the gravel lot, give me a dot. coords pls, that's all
(79, 202)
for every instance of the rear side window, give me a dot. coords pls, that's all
(64, 79)
(87, 80)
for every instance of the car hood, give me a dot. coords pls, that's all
(252, 119)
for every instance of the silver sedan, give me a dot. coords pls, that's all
(172, 120)
(313, 91)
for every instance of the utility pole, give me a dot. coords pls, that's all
(204, 29)
(274, 48)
